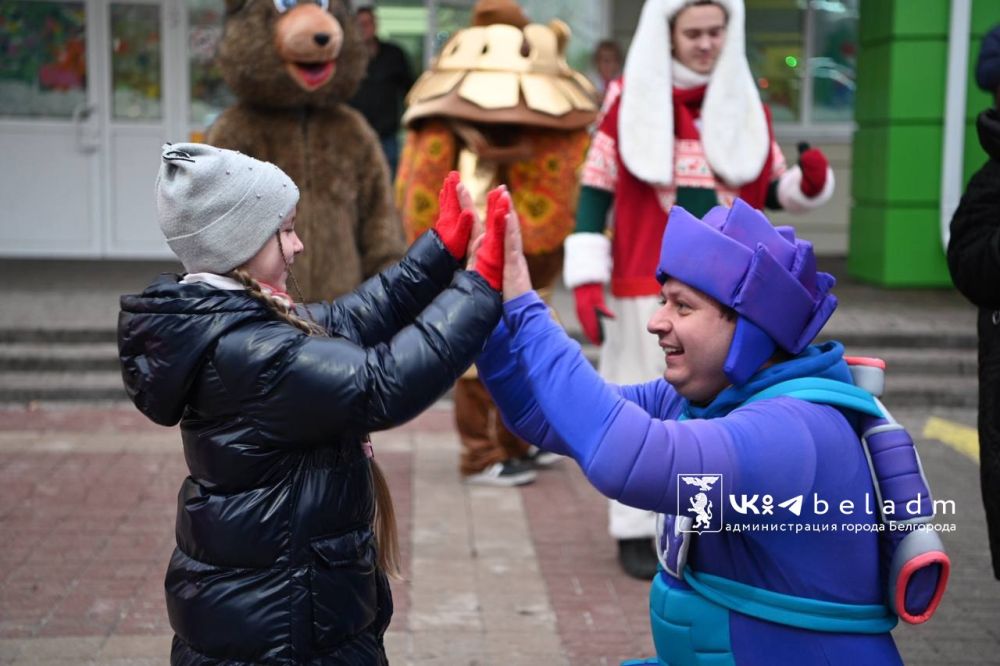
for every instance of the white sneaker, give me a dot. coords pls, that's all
(537, 458)
(508, 473)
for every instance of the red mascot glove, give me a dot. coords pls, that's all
(590, 307)
(453, 225)
(489, 256)
(813, 164)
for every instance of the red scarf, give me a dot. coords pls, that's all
(687, 109)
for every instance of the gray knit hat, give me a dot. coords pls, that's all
(218, 207)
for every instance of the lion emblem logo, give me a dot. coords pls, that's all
(700, 500)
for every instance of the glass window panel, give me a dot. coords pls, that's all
(135, 62)
(404, 24)
(43, 58)
(775, 50)
(585, 19)
(832, 65)
(209, 95)
(451, 17)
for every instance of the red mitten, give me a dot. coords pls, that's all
(813, 164)
(590, 306)
(489, 256)
(453, 224)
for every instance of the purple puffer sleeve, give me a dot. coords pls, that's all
(626, 453)
(500, 372)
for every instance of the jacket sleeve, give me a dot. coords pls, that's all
(974, 247)
(502, 374)
(311, 390)
(392, 299)
(634, 457)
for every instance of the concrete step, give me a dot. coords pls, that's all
(58, 357)
(61, 386)
(930, 391)
(57, 335)
(961, 362)
(912, 339)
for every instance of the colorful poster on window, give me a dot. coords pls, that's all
(43, 58)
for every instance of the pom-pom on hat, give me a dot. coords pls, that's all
(988, 65)
(217, 207)
(762, 272)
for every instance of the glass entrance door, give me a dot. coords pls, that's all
(83, 113)
(49, 129)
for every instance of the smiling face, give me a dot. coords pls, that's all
(695, 335)
(697, 35)
(308, 39)
(269, 266)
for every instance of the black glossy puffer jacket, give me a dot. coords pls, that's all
(275, 559)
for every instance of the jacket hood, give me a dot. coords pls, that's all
(988, 126)
(825, 361)
(163, 334)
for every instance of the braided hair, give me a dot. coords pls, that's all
(277, 306)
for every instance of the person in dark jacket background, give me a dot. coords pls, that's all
(285, 532)
(974, 262)
(387, 80)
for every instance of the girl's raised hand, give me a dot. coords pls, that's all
(455, 220)
(478, 228)
(489, 256)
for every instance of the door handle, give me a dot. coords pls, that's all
(86, 142)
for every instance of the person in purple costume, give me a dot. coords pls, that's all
(782, 582)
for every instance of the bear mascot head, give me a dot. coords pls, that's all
(293, 64)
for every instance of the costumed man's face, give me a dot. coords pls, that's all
(695, 335)
(271, 263)
(697, 36)
(366, 25)
(607, 63)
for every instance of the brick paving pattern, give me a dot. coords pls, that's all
(491, 576)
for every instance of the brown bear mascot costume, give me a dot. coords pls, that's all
(293, 65)
(502, 106)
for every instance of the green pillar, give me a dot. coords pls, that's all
(896, 180)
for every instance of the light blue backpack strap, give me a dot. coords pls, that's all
(790, 610)
(823, 391)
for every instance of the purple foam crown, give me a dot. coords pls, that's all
(763, 272)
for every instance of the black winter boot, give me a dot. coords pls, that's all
(638, 557)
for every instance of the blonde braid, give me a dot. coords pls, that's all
(275, 305)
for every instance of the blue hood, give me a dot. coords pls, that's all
(824, 361)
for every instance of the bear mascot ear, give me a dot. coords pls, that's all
(233, 6)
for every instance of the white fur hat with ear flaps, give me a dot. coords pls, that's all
(734, 130)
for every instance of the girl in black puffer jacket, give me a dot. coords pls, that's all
(285, 533)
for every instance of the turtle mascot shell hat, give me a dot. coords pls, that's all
(763, 272)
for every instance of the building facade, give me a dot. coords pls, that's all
(89, 89)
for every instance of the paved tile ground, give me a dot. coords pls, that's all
(492, 576)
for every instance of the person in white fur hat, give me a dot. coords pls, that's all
(684, 126)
